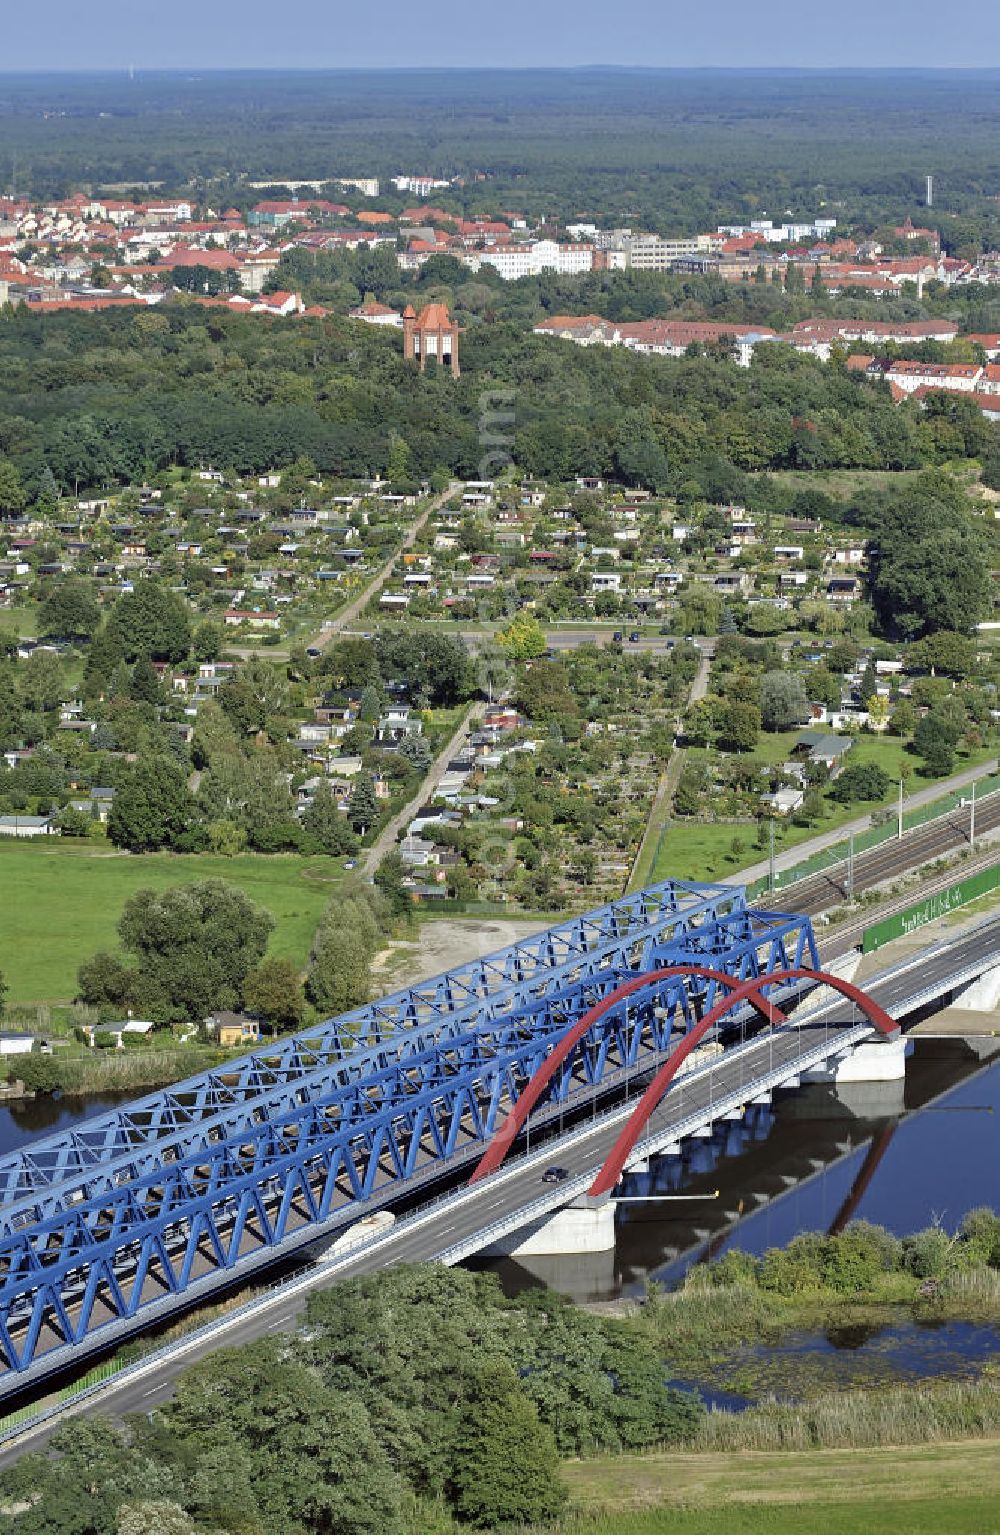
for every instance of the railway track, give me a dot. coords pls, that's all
(946, 834)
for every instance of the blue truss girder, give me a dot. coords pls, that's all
(190, 1185)
(736, 935)
(227, 1182)
(589, 942)
(155, 1228)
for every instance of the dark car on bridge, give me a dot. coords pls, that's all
(555, 1175)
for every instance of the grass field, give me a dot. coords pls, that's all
(904, 1490)
(694, 850)
(61, 901)
(841, 484)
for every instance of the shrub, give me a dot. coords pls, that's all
(928, 1254)
(39, 1073)
(793, 1269)
(733, 1268)
(980, 1234)
(854, 1259)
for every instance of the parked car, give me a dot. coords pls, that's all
(634, 637)
(617, 637)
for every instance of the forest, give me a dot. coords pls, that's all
(663, 149)
(99, 401)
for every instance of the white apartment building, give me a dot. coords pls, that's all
(776, 234)
(910, 376)
(531, 258)
(420, 186)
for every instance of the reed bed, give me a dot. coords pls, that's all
(904, 1414)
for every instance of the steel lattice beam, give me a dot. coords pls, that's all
(274, 1076)
(190, 1185)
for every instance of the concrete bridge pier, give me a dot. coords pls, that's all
(983, 995)
(880, 1060)
(584, 1226)
(870, 1081)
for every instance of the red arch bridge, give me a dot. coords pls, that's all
(677, 1000)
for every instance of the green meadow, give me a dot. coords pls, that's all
(60, 902)
(926, 1489)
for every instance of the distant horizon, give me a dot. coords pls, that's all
(160, 70)
(531, 34)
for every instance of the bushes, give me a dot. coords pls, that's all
(99, 1071)
(980, 1230)
(855, 1260)
(928, 1254)
(39, 1073)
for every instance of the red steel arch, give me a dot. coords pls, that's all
(508, 1132)
(613, 1168)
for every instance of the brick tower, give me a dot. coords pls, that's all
(432, 333)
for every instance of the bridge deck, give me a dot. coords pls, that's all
(468, 1220)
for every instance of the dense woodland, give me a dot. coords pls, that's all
(663, 149)
(420, 1401)
(113, 398)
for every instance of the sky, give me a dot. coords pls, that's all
(115, 34)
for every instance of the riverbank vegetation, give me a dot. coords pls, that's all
(421, 1401)
(185, 953)
(66, 897)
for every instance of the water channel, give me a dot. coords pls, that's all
(900, 1154)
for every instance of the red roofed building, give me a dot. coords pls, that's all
(215, 260)
(909, 232)
(279, 303)
(432, 333)
(375, 313)
(427, 216)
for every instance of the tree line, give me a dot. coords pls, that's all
(190, 388)
(416, 1400)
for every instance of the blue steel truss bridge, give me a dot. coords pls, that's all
(162, 1203)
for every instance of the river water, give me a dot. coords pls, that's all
(900, 1154)
(29, 1119)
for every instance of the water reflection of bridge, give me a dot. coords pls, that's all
(812, 1146)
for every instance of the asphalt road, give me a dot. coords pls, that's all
(558, 638)
(352, 612)
(386, 839)
(468, 1212)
